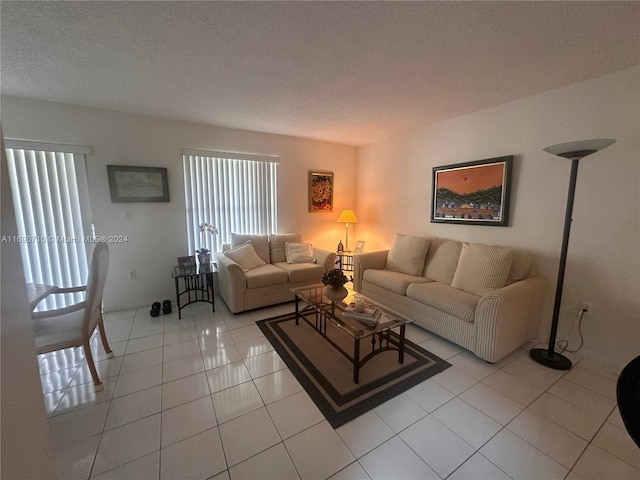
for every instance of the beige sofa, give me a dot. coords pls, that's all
(486, 299)
(259, 270)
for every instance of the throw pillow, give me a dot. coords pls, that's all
(442, 260)
(245, 256)
(277, 242)
(482, 268)
(407, 254)
(299, 252)
(260, 244)
(520, 266)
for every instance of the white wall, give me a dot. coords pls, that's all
(394, 194)
(26, 441)
(157, 231)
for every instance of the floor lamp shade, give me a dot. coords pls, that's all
(573, 151)
(347, 217)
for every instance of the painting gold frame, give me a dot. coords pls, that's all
(320, 191)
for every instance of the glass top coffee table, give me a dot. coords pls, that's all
(319, 312)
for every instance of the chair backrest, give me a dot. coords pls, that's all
(95, 286)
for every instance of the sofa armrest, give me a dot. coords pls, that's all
(503, 317)
(232, 283)
(325, 258)
(364, 261)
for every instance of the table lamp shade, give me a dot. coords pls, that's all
(347, 216)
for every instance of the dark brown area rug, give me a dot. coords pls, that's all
(327, 375)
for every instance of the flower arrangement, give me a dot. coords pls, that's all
(334, 278)
(321, 195)
(205, 228)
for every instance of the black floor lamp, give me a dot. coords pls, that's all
(574, 151)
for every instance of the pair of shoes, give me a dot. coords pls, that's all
(155, 309)
(166, 307)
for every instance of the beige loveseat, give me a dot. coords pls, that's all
(258, 270)
(484, 298)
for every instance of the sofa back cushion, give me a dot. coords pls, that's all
(245, 256)
(277, 243)
(442, 260)
(522, 266)
(260, 244)
(482, 268)
(299, 252)
(407, 254)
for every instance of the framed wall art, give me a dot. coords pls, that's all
(138, 184)
(320, 191)
(472, 193)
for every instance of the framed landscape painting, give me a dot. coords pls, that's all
(472, 193)
(320, 191)
(138, 184)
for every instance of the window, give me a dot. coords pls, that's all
(234, 192)
(53, 215)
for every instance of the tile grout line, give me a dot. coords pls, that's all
(526, 407)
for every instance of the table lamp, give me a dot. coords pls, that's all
(347, 217)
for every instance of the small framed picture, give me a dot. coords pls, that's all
(187, 262)
(359, 246)
(320, 191)
(138, 184)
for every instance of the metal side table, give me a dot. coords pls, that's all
(197, 283)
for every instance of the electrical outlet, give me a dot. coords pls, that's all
(132, 275)
(586, 307)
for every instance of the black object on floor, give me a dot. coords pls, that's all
(628, 393)
(155, 309)
(166, 307)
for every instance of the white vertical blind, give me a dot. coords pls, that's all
(53, 214)
(235, 193)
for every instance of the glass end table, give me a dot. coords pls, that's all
(197, 284)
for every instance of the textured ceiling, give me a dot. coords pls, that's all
(347, 72)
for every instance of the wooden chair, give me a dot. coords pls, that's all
(74, 325)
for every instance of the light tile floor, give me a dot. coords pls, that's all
(208, 397)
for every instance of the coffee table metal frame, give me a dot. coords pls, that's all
(311, 302)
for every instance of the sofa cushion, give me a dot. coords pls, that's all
(521, 266)
(482, 268)
(394, 281)
(265, 276)
(245, 256)
(442, 260)
(299, 252)
(302, 272)
(260, 243)
(445, 298)
(407, 254)
(277, 243)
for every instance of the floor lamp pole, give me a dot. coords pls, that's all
(550, 358)
(574, 151)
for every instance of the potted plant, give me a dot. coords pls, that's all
(204, 255)
(334, 281)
